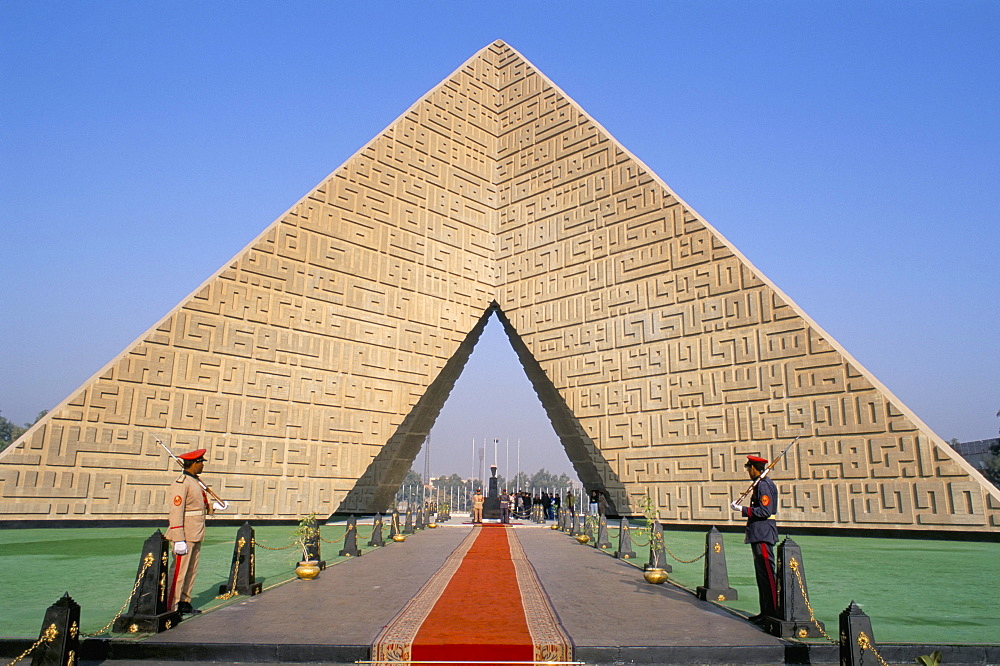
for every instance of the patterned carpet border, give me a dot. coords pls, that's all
(551, 642)
(395, 641)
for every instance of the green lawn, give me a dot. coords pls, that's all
(914, 591)
(97, 567)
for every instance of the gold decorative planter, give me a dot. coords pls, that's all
(399, 538)
(432, 525)
(307, 570)
(655, 576)
(582, 538)
(554, 526)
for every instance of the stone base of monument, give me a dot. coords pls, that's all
(791, 629)
(146, 624)
(255, 588)
(717, 594)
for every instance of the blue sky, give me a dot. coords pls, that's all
(851, 150)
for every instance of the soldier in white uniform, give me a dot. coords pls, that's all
(188, 505)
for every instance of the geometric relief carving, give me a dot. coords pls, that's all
(313, 364)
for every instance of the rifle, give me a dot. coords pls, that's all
(224, 503)
(767, 469)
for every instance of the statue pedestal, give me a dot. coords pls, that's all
(491, 507)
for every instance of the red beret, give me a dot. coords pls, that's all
(756, 459)
(192, 455)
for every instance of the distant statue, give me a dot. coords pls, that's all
(491, 509)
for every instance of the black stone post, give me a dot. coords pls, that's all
(574, 526)
(394, 525)
(603, 540)
(624, 551)
(351, 538)
(794, 619)
(61, 631)
(855, 636)
(242, 575)
(419, 524)
(657, 553)
(377, 540)
(716, 587)
(313, 546)
(408, 525)
(147, 611)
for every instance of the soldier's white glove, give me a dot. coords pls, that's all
(180, 547)
(736, 507)
(220, 506)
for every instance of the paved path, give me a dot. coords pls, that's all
(610, 612)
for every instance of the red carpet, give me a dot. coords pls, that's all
(483, 605)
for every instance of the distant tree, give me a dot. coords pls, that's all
(992, 471)
(545, 480)
(521, 480)
(413, 478)
(9, 431)
(453, 483)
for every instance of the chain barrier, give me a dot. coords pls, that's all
(47, 636)
(146, 563)
(794, 564)
(667, 548)
(635, 542)
(371, 534)
(236, 568)
(643, 544)
(349, 528)
(258, 544)
(865, 643)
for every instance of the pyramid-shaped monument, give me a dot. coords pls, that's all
(313, 365)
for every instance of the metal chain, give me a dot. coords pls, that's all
(47, 636)
(257, 543)
(346, 532)
(667, 548)
(236, 568)
(865, 643)
(146, 563)
(794, 564)
(638, 543)
(370, 535)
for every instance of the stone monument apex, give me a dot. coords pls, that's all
(313, 364)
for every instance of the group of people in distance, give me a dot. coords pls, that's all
(519, 505)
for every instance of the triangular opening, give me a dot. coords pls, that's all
(486, 411)
(494, 400)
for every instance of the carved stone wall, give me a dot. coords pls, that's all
(314, 364)
(299, 360)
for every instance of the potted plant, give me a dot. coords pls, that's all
(304, 534)
(654, 574)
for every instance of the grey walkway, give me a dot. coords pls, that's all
(610, 613)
